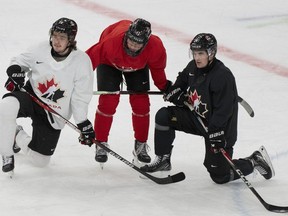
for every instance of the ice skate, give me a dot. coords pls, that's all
(262, 163)
(160, 163)
(140, 154)
(160, 167)
(101, 155)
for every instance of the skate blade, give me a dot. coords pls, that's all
(10, 174)
(263, 151)
(101, 165)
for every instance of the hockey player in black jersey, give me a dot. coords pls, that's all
(209, 87)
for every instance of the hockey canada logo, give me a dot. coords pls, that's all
(199, 107)
(50, 90)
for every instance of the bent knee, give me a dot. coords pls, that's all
(220, 179)
(9, 107)
(162, 117)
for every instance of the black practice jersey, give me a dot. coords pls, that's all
(213, 93)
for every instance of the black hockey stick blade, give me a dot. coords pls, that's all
(269, 207)
(127, 92)
(246, 106)
(166, 180)
(276, 209)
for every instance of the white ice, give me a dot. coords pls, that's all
(252, 37)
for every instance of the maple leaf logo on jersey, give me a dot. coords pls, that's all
(199, 107)
(50, 90)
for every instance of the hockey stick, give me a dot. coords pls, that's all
(244, 103)
(126, 92)
(246, 106)
(269, 207)
(167, 180)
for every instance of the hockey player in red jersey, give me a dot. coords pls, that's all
(126, 52)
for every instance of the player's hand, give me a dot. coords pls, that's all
(87, 133)
(16, 78)
(217, 140)
(176, 96)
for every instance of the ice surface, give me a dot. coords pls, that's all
(252, 39)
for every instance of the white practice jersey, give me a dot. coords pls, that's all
(66, 86)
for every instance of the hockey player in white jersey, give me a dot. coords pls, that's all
(59, 75)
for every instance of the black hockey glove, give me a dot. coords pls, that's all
(168, 85)
(87, 133)
(176, 96)
(16, 78)
(217, 140)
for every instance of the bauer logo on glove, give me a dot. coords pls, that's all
(217, 139)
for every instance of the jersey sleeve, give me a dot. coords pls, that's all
(223, 93)
(83, 90)
(94, 54)
(26, 59)
(157, 62)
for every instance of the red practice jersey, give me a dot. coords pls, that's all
(109, 50)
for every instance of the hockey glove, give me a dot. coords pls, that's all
(176, 96)
(87, 133)
(217, 140)
(167, 86)
(16, 78)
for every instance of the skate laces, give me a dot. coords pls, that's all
(7, 160)
(260, 164)
(156, 161)
(101, 151)
(261, 170)
(141, 148)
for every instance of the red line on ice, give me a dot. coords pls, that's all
(184, 38)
